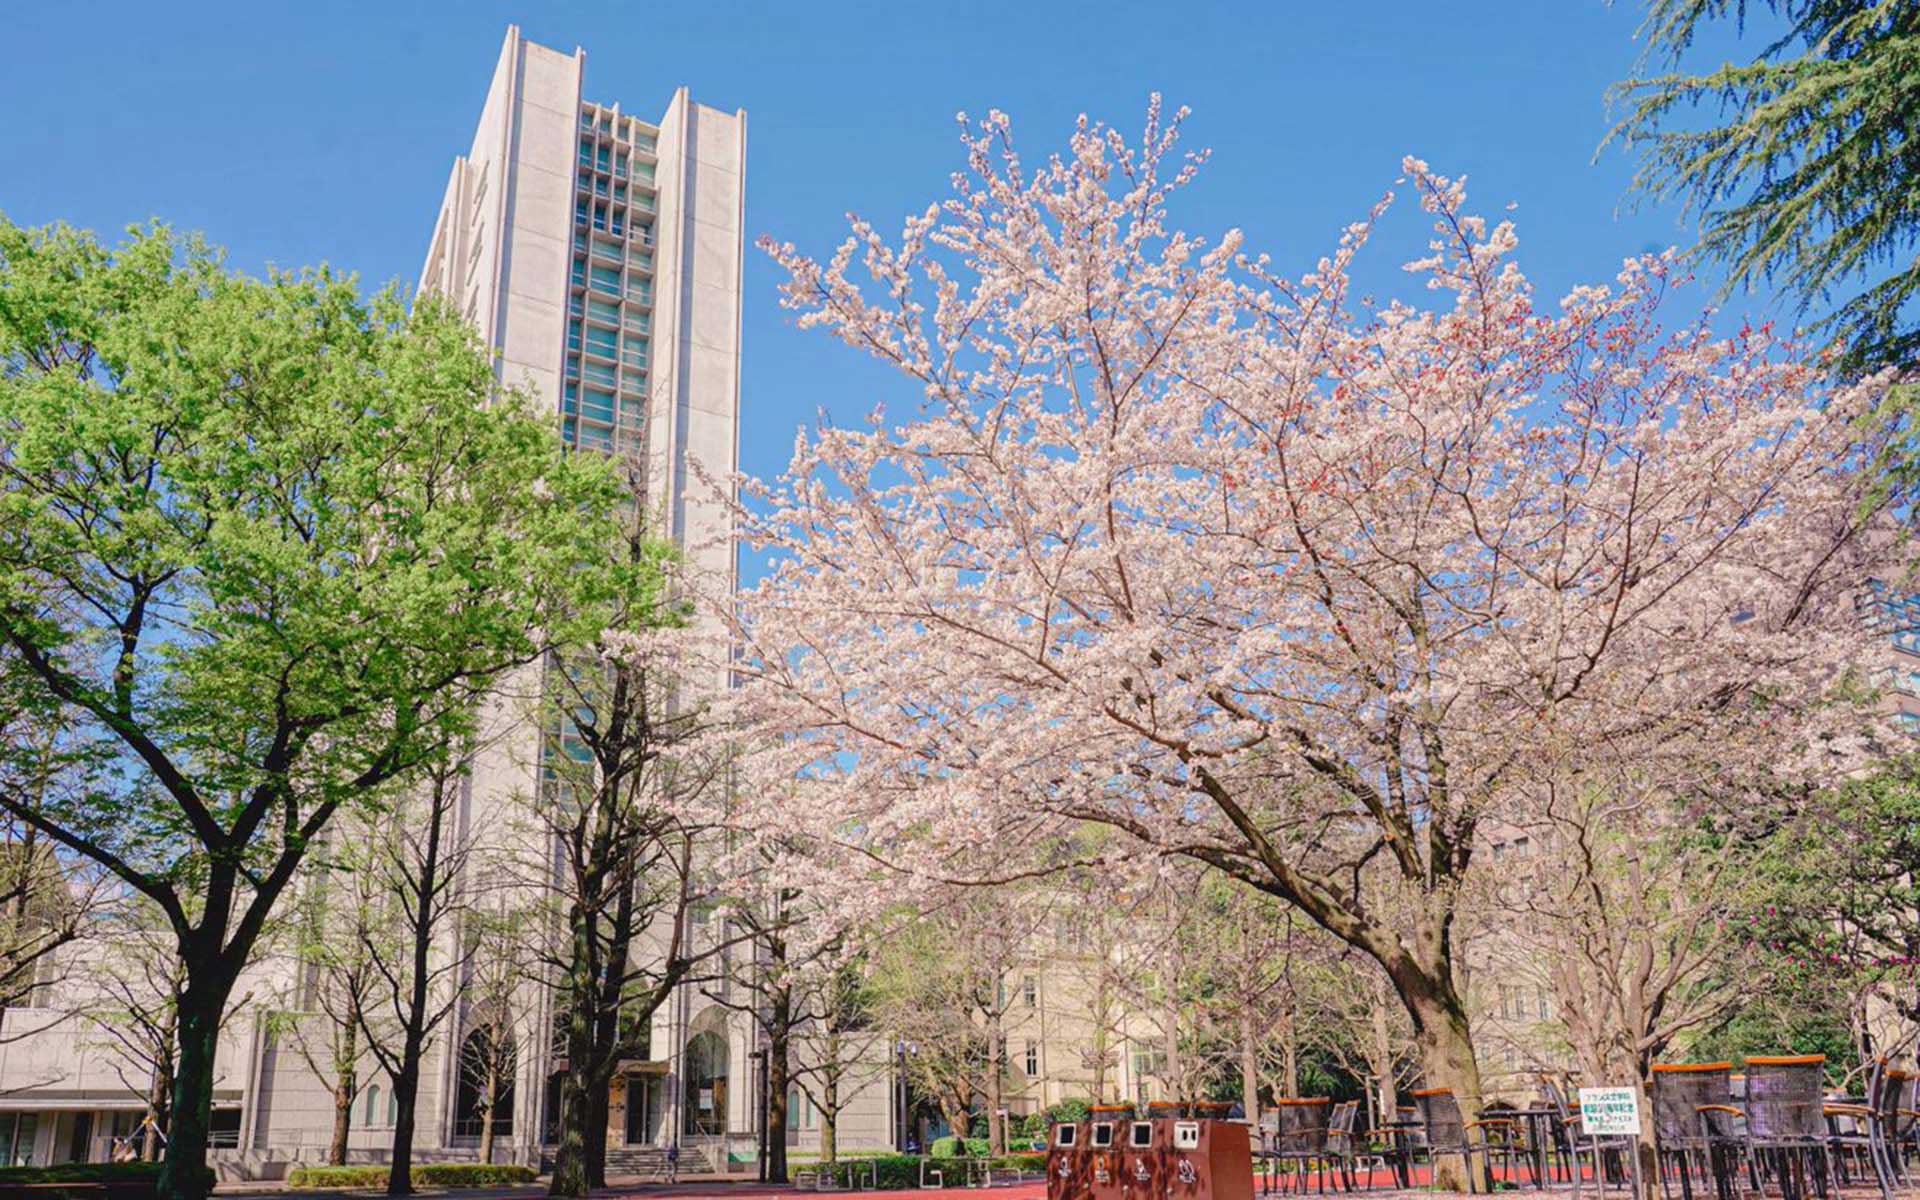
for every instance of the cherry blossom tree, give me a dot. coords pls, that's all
(1278, 578)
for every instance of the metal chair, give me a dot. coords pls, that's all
(1786, 1123)
(1687, 1129)
(1301, 1139)
(1874, 1128)
(1343, 1144)
(1564, 1133)
(1449, 1135)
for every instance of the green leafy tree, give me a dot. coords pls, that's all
(261, 541)
(1840, 913)
(1807, 178)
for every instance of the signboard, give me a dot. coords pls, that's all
(706, 1099)
(1609, 1112)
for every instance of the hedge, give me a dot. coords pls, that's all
(447, 1175)
(82, 1173)
(895, 1172)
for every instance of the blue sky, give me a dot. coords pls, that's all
(297, 133)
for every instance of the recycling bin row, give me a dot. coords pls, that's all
(1109, 1157)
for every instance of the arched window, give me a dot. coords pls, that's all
(373, 1105)
(486, 1084)
(393, 1108)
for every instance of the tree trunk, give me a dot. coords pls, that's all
(492, 1099)
(406, 1081)
(158, 1095)
(1290, 1059)
(345, 1080)
(1645, 1148)
(570, 1156)
(956, 1116)
(996, 1072)
(406, 1094)
(336, 1145)
(1381, 1057)
(570, 1171)
(1170, 1045)
(1100, 1068)
(830, 1117)
(599, 1116)
(1446, 1056)
(1249, 1071)
(602, 1051)
(185, 1174)
(779, 1049)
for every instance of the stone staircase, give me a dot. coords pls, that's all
(650, 1162)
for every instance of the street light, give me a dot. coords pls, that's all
(760, 1065)
(902, 1099)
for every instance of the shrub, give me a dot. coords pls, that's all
(951, 1147)
(447, 1175)
(81, 1173)
(901, 1172)
(471, 1174)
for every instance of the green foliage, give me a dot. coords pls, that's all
(257, 538)
(954, 1147)
(262, 544)
(1836, 907)
(1777, 1028)
(81, 1173)
(897, 1172)
(444, 1175)
(1808, 177)
(1036, 1125)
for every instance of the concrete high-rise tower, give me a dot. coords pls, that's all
(598, 253)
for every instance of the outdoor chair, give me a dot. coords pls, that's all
(1873, 1128)
(1344, 1148)
(1564, 1134)
(1300, 1142)
(1904, 1134)
(1449, 1135)
(1786, 1123)
(1417, 1135)
(1691, 1130)
(1505, 1135)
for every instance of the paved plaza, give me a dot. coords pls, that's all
(708, 1190)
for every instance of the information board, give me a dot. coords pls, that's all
(1609, 1112)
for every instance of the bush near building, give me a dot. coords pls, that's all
(442, 1175)
(94, 1181)
(893, 1172)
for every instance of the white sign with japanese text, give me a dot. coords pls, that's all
(1609, 1112)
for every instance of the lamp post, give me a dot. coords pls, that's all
(759, 1058)
(902, 1093)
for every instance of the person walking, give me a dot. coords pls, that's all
(673, 1161)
